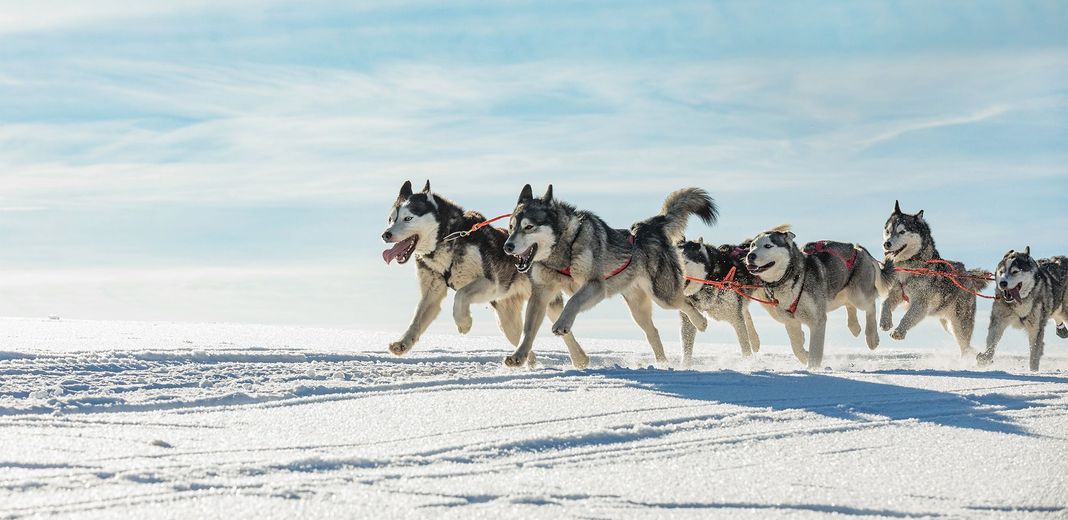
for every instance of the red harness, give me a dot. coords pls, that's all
(567, 270)
(821, 247)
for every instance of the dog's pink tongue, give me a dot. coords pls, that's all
(395, 251)
(1015, 292)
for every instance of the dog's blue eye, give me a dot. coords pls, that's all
(767, 246)
(528, 227)
(407, 219)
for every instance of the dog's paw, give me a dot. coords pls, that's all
(1062, 331)
(517, 360)
(561, 329)
(463, 325)
(580, 362)
(400, 348)
(886, 324)
(984, 359)
(898, 334)
(873, 341)
(967, 352)
(532, 360)
(702, 323)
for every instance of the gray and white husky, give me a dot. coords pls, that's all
(708, 262)
(1030, 292)
(909, 243)
(808, 286)
(474, 266)
(577, 252)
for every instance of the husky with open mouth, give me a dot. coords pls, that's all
(908, 243)
(709, 262)
(575, 251)
(474, 266)
(1030, 292)
(805, 286)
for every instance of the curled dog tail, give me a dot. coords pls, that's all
(884, 276)
(685, 202)
(976, 284)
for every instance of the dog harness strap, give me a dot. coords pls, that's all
(567, 270)
(903, 295)
(821, 247)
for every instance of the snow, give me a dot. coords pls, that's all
(158, 420)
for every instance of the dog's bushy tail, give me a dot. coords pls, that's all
(884, 276)
(976, 284)
(685, 202)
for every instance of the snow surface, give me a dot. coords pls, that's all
(143, 420)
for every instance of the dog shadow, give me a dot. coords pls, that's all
(838, 397)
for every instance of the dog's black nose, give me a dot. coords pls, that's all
(886, 245)
(509, 247)
(387, 235)
(1004, 284)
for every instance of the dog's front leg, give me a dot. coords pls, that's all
(536, 306)
(688, 333)
(590, 294)
(818, 330)
(579, 359)
(480, 290)
(754, 338)
(434, 291)
(998, 324)
(886, 317)
(741, 330)
(696, 319)
(916, 313)
(797, 339)
(1038, 343)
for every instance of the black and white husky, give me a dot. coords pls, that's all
(577, 252)
(474, 266)
(708, 262)
(908, 243)
(808, 286)
(1030, 293)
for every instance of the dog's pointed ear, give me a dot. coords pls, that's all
(406, 190)
(426, 187)
(548, 197)
(790, 236)
(526, 194)
(920, 214)
(897, 207)
(700, 241)
(1027, 251)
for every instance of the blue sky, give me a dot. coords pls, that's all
(234, 160)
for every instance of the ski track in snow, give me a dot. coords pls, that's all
(120, 419)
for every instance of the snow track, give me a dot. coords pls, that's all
(142, 420)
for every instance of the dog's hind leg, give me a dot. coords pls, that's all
(510, 318)
(641, 309)
(851, 321)
(871, 328)
(963, 325)
(579, 359)
(797, 340)
(738, 322)
(754, 338)
(688, 333)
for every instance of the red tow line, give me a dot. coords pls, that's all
(953, 276)
(461, 234)
(728, 283)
